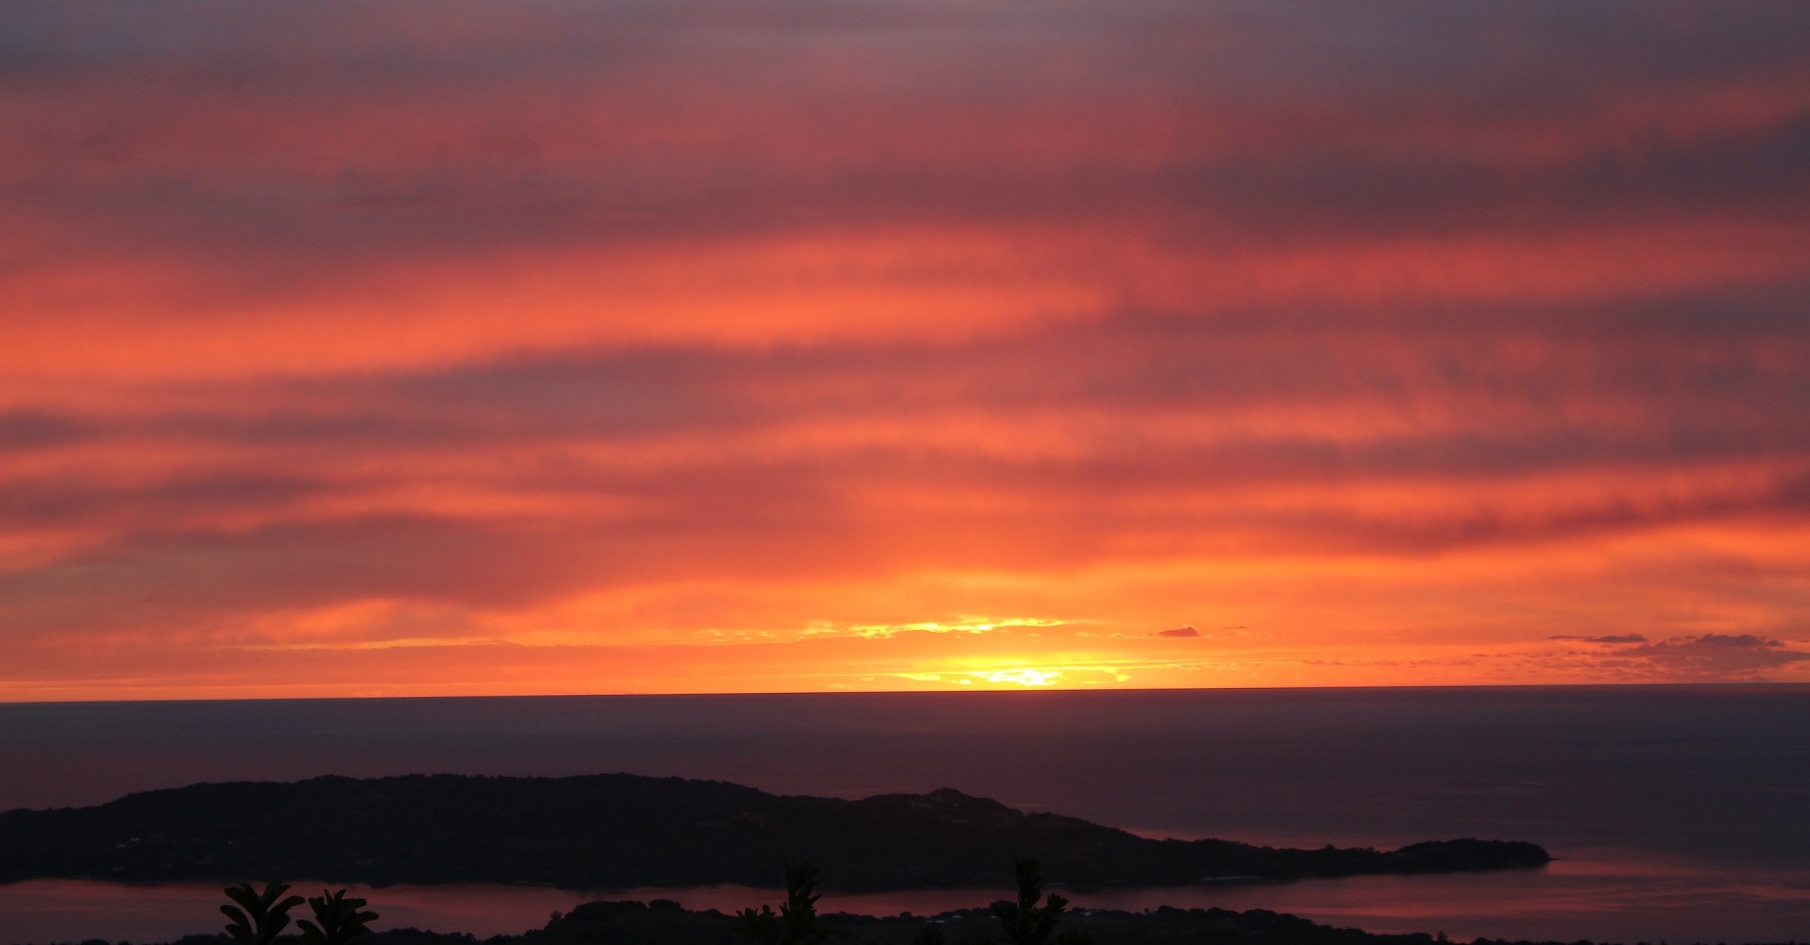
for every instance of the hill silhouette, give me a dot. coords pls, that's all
(616, 831)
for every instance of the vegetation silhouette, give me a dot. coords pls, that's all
(259, 917)
(796, 923)
(337, 919)
(663, 922)
(1030, 920)
(1026, 922)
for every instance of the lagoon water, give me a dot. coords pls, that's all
(1677, 813)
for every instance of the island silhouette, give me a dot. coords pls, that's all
(619, 831)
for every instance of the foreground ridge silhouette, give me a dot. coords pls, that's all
(619, 831)
(1024, 921)
(664, 922)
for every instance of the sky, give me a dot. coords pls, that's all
(355, 349)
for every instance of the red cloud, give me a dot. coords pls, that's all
(593, 323)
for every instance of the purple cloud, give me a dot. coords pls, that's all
(1711, 656)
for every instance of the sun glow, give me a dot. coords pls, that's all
(1023, 677)
(1026, 676)
(963, 624)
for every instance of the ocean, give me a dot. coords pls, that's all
(1676, 813)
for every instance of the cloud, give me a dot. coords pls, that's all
(273, 160)
(959, 625)
(1713, 656)
(1178, 632)
(1700, 657)
(598, 323)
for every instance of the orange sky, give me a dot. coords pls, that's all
(743, 347)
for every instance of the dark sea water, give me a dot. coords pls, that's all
(1677, 813)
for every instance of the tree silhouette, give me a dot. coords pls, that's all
(339, 918)
(796, 923)
(1027, 923)
(262, 917)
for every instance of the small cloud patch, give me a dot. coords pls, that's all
(1709, 657)
(1617, 638)
(1178, 632)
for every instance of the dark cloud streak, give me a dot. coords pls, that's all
(315, 157)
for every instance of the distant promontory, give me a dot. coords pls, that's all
(617, 831)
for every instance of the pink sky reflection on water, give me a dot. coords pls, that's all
(1600, 895)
